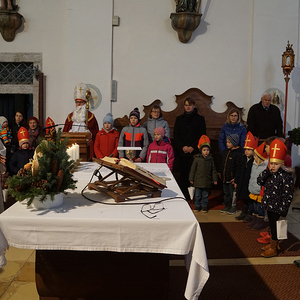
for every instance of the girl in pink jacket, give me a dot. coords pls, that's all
(160, 151)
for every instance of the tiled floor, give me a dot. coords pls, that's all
(17, 279)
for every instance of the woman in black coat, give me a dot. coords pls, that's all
(188, 129)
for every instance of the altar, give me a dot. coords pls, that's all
(137, 234)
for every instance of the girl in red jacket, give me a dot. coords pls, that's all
(107, 139)
(160, 151)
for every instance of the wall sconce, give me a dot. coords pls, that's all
(287, 64)
(10, 22)
(186, 19)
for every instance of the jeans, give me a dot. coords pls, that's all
(228, 189)
(258, 209)
(201, 198)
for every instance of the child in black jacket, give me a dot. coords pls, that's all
(22, 156)
(229, 164)
(278, 193)
(243, 175)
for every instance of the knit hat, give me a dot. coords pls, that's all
(23, 136)
(35, 119)
(204, 141)
(135, 113)
(2, 120)
(108, 118)
(234, 139)
(277, 151)
(250, 142)
(160, 131)
(260, 152)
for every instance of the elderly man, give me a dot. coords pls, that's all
(75, 121)
(264, 119)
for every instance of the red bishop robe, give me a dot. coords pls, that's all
(92, 124)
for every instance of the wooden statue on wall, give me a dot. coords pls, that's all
(6, 4)
(10, 20)
(186, 19)
(187, 5)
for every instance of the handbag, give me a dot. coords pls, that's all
(281, 226)
(191, 190)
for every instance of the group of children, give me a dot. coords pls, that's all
(258, 177)
(19, 140)
(134, 135)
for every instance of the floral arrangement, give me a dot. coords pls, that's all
(49, 173)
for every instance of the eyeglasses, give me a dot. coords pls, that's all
(234, 116)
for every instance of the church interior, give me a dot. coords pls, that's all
(135, 54)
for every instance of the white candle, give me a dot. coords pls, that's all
(73, 151)
(69, 153)
(76, 151)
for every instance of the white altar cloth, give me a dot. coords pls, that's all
(86, 226)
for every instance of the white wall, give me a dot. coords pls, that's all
(75, 40)
(88, 43)
(150, 62)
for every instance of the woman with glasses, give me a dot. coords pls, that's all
(233, 125)
(155, 120)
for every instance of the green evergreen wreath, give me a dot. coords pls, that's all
(53, 175)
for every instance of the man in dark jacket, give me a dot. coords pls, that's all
(188, 129)
(264, 119)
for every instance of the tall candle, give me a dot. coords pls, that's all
(76, 151)
(69, 153)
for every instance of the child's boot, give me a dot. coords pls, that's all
(260, 224)
(243, 214)
(272, 251)
(265, 234)
(253, 222)
(264, 240)
(247, 219)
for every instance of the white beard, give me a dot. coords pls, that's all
(79, 114)
(78, 119)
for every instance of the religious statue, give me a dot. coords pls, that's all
(6, 4)
(187, 5)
